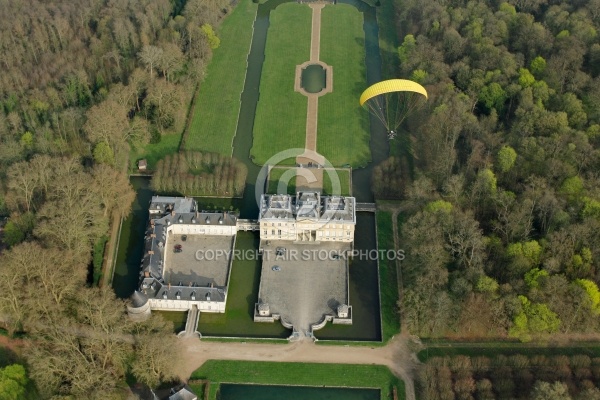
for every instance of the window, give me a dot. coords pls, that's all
(279, 232)
(272, 231)
(265, 232)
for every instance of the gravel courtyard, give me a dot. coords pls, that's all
(309, 283)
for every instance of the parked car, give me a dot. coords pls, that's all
(276, 268)
(177, 249)
(183, 238)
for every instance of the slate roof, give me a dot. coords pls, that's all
(138, 299)
(157, 289)
(165, 211)
(308, 206)
(183, 393)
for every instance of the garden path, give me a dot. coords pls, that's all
(313, 99)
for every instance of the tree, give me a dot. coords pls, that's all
(113, 189)
(171, 61)
(103, 154)
(493, 96)
(526, 78)
(550, 391)
(163, 103)
(150, 56)
(107, 122)
(538, 66)
(534, 318)
(83, 354)
(22, 185)
(13, 382)
(485, 284)
(18, 227)
(72, 217)
(593, 293)
(156, 351)
(506, 158)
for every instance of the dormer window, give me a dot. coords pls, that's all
(180, 219)
(165, 295)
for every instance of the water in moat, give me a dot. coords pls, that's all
(229, 391)
(364, 285)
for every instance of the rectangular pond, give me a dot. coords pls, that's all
(267, 392)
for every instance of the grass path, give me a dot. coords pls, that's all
(281, 112)
(343, 130)
(215, 114)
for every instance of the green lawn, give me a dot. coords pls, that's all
(343, 175)
(280, 122)
(237, 321)
(153, 152)
(215, 115)
(388, 278)
(273, 373)
(343, 130)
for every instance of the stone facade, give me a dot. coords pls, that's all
(307, 217)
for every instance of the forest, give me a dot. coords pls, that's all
(498, 173)
(518, 376)
(84, 83)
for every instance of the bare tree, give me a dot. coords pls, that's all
(150, 56)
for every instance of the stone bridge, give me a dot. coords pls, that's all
(368, 207)
(247, 225)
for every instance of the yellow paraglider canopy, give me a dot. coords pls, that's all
(392, 85)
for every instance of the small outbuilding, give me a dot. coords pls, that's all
(264, 310)
(142, 165)
(342, 311)
(182, 393)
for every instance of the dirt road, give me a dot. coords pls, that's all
(396, 355)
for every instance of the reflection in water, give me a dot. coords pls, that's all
(314, 78)
(267, 392)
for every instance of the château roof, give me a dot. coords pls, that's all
(308, 206)
(138, 299)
